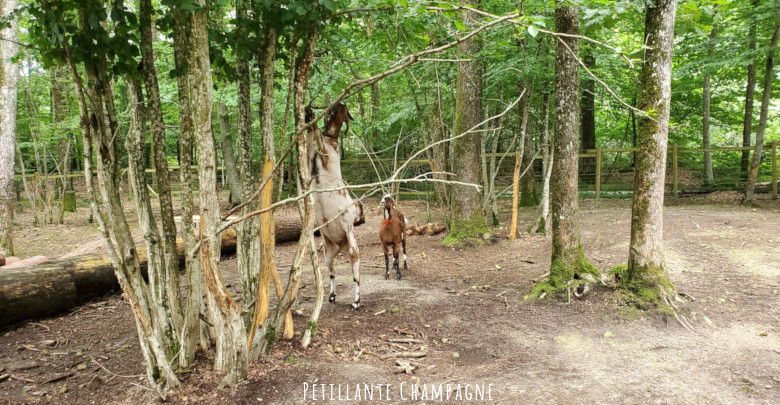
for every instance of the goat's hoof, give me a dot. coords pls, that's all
(332, 298)
(405, 266)
(356, 305)
(399, 276)
(387, 276)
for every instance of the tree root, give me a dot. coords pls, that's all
(681, 319)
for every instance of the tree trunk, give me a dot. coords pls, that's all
(747, 124)
(286, 119)
(468, 219)
(164, 278)
(194, 331)
(248, 231)
(647, 275)
(9, 76)
(588, 115)
(528, 196)
(540, 223)
(568, 259)
(231, 353)
(705, 106)
(229, 155)
(306, 205)
(766, 96)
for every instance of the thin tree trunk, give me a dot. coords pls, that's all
(647, 273)
(164, 281)
(568, 259)
(540, 223)
(231, 354)
(528, 197)
(750, 88)
(229, 155)
(468, 219)
(588, 115)
(705, 120)
(306, 205)
(766, 96)
(9, 76)
(286, 119)
(193, 330)
(248, 244)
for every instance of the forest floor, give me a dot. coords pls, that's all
(466, 308)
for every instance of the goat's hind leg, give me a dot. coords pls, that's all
(354, 258)
(331, 251)
(403, 243)
(396, 265)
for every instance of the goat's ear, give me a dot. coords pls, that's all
(350, 116)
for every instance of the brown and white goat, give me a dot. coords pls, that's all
(392, 233)
(335, 211)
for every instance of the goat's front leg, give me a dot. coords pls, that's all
(387, 262)
(354, 258)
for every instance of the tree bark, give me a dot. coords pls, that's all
(568, 260)
(229, 155)
(705, 120)
(248, 231)
(540, 223)
(747, 123)
(468, 218)
(647, 275)
(231, 354)
(194, 331)
(9, 76)
(766, 96)
(164, 278)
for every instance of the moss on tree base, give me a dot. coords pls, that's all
(69, 201)
(529, 200)
(647, 285)
(567, 274)
(467, 231)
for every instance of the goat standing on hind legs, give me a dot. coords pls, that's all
(392, 232)
(335, 211)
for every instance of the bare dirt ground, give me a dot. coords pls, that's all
(466, 308)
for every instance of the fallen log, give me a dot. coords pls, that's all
(60, 284)
(428, 229)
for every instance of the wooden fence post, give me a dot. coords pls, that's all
(774, 169)
(674, 170)
(598, 172)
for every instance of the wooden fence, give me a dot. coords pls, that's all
(673, 149)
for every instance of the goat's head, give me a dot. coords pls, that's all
(337, 116)
(308, 114)
(387, 202)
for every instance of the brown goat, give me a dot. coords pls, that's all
(392, 233)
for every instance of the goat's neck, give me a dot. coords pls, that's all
(388, 214)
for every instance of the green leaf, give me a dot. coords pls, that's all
(460, 25)
(533, 30)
